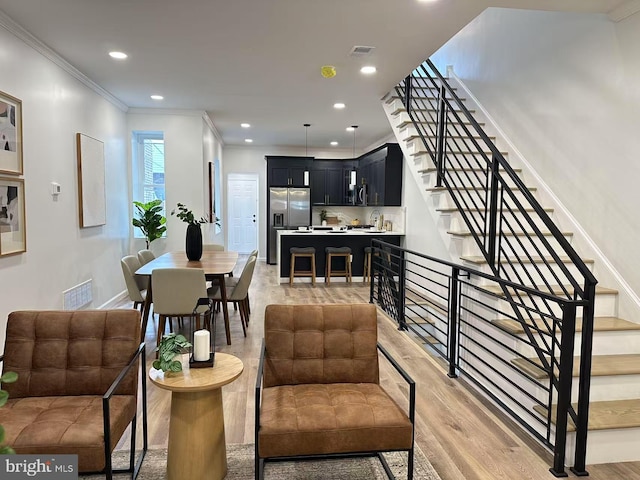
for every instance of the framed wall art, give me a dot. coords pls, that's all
(92, 197)
(10, 135)
(13, 231)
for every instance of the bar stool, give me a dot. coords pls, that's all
(302, 252)
(366, 271)
(344, 252)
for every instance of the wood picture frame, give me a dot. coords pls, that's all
(13, 227)
(92, 198)
(10, 135)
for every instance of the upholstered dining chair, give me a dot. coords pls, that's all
(175, 294)
(136, 285)
(212, 247)
(238, 294)
(232, 282)
(145, 256)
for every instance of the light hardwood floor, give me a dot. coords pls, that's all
(462, 435)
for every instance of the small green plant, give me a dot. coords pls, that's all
(8, 377)
(170, 346)
(323, 215)
(150, 220)
(187, 216)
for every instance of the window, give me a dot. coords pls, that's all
(148, 169)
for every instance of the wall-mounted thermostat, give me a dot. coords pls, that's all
(55, 188)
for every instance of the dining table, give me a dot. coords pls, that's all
(216, 265)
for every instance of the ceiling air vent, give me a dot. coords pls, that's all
(360, 51)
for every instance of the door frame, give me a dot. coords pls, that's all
(244, 176)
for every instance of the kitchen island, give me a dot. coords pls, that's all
(356, 239)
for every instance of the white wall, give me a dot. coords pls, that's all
(59, 254)
(565, 89)
(211, 150)
(185, 169)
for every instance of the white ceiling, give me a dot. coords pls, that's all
(258, 61)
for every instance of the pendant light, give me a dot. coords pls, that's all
(352, 176)
(306, 139)
(306, 151)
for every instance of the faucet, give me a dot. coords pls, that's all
(373, 218)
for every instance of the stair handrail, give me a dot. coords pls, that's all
(586, 290)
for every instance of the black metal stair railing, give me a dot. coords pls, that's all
(439, 304)
(513, 232)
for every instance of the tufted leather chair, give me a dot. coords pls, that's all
(75, 369)
(318, 392)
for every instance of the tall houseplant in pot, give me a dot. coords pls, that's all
(150, 220)
(193, 245)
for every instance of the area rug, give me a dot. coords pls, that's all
(240, 466)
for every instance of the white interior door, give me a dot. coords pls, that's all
(242, 200)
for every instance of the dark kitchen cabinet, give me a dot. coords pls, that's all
(330, 182)
(381, 171)
(288, 171)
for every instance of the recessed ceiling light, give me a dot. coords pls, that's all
(157, 97)
(334, 144)
(248, 140)
(350, 129)
(245, 125)
(368, 70)
(339, 106)
(118, 55)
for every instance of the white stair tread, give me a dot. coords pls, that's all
(480, 260)
(409, 123)
(600, 324)
(463, 233)
(601, 365)
(605, 415)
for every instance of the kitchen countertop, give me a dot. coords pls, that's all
(355, 231)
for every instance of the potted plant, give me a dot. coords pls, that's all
(323, 216)
(170, 346)
(7, 377)
(150, 220)
(193, 245)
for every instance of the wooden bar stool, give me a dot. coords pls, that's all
(366, 271)
(338, 252)
(302, 252)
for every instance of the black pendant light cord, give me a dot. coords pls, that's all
(306, 139)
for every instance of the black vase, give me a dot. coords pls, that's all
(194, 242)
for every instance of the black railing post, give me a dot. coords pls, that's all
(453, 322)
(584, 385)
(402, 276)
(372, 272)
(408, 92)
(440, 144)
(493, 214)
(565, 374)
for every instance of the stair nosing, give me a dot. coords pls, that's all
(595, 409)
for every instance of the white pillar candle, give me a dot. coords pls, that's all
(201, 345)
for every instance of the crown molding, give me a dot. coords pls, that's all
(216, 133)
(184, 112)
(18, 31)
(625, 10)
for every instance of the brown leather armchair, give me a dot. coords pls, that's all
(318, 392)
(77, 384)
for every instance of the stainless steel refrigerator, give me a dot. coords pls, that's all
(289, 208)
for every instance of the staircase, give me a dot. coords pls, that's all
(614, 397)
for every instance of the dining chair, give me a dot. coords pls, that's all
(232, 282)
(238, 294)
(212, 247)
(136, 284)
(145, 256)
(175, 294)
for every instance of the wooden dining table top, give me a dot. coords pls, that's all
(212, 262)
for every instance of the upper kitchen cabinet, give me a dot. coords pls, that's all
(330, 182)
(381, 171)
(288, 171)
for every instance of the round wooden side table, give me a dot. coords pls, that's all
(197, 448)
